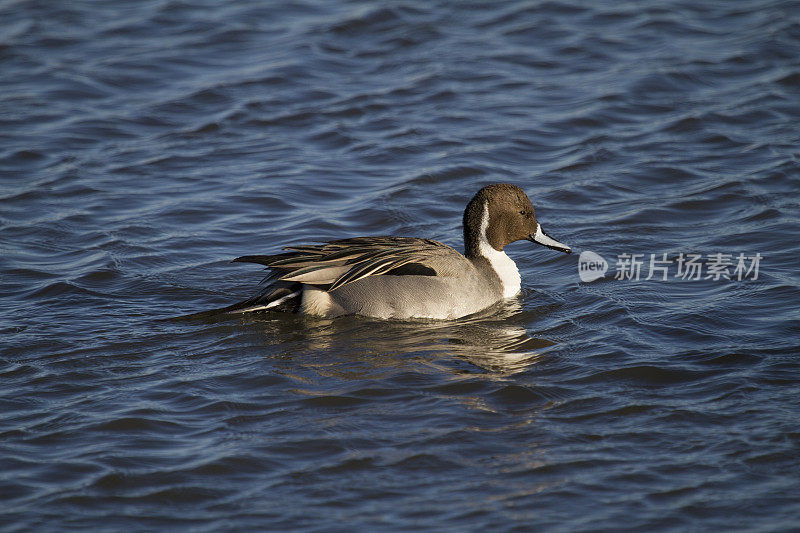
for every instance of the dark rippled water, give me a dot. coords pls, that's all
(144, 144)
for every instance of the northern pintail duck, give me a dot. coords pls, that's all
(405, 277)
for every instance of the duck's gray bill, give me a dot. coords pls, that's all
(544, 239)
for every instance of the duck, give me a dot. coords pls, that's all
(405, 277)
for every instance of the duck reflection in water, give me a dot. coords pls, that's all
(491, 340)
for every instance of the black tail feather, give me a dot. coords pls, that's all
(283, 297)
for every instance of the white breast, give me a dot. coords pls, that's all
(502, 264)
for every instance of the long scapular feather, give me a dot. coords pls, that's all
(371, 268)
(340, 262)
(321, 275)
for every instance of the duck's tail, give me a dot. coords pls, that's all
(284, 297)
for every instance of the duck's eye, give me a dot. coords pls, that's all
(523, 213)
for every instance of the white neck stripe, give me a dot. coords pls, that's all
(504, 266)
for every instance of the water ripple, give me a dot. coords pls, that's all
(146, 144)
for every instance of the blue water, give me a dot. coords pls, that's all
(145, 144)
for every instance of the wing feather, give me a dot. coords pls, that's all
(337, 263)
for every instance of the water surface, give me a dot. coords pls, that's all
(143, 145)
